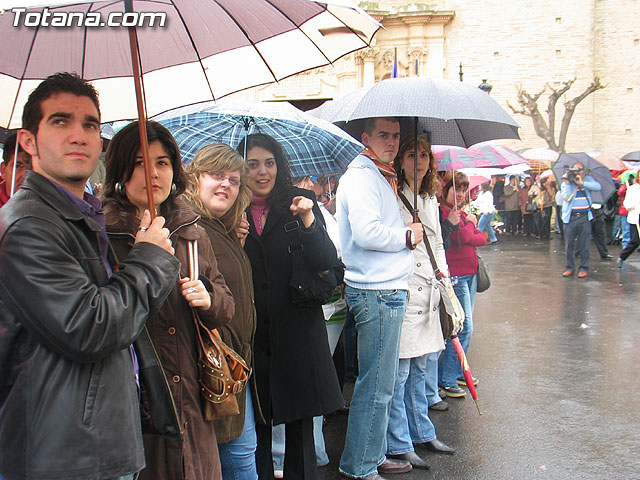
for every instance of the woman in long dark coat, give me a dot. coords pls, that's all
(294, 371)
(172, 329)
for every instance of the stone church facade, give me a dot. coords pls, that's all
(509, 43)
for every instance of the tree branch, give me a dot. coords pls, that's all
(570, 107)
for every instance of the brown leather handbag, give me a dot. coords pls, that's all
(222, 372)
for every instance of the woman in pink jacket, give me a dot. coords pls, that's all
(463, 268)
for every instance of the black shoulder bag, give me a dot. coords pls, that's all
(307, 288)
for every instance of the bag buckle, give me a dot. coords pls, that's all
(291, 226)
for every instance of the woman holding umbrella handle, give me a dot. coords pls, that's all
(195, 455)
(462, 259)
(421, 339)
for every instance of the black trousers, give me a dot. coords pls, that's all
(300, 452)
(597, 232)
(529, 225)
(633, 244)
(513, 220)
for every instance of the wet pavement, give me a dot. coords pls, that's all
(558, 360)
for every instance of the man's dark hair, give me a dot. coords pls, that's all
(370, 123)
(61, 82)
(9, 148)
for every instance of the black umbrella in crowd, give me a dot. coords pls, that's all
(632, 157)
(599, 172)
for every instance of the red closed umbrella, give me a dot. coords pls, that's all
(466, 371)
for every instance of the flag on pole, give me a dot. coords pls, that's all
(394, 70)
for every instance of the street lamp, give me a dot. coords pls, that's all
(485, 87)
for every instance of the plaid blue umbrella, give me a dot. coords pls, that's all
(312, 146)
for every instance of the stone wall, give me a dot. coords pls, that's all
(510, 43)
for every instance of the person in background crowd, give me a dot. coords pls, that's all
(487, 211)
(295, 375)
(218, 191)
(421, 339)
(497, 189)
(545, 200)
(462, 259)
(172, 329)
(623, 212)
(512, 205)
(632, 204)
(447, 226)
(528, 195)
(576, 215)
(376, 246)
(8, 185)
(598, 231)
(69, 383)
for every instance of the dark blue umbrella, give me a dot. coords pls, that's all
(593, 169)
(312, 146)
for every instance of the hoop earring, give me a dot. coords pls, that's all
(174, 189)
(119, 189)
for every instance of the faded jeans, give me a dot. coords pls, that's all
(238, 457)
(409, 421)
(378, 316)
(484, 225)
(465, 287)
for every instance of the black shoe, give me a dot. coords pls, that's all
(437, 446)
(413, 458)
(608, 256)
(441, 406)
(391, 465)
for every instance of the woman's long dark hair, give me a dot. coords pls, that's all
(121, 160)
(280, 196)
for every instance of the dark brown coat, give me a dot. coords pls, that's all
(294, 371)
(172, 331)
(240, 331)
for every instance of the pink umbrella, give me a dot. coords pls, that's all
(477, 156)
(466, 371)
(611, 162)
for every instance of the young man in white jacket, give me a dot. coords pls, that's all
(376, 249)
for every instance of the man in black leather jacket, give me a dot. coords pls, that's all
(68, 397)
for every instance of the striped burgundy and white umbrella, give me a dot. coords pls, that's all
(176, 53)
(204, 49)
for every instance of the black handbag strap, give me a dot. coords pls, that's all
(432, 257)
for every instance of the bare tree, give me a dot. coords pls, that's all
(546, 128)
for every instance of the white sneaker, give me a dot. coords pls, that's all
(278, 473)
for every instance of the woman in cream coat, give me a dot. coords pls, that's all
(421, 340)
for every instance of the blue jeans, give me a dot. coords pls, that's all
(238, 456)
(577, 234)
(409, 416)
(431, 378)
(626, 232)
(484, 225)
(278, 440)
(378, 315)
(465, 287)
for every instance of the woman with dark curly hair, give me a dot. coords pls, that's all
(172, 329)
(294, 371)
(421, 339)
